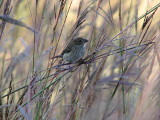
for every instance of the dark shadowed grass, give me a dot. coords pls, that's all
(117, 79)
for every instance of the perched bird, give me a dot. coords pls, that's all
(74, 51)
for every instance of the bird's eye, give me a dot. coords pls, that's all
(79, 41)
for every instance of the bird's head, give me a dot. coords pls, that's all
(79, 41)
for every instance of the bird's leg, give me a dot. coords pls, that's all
(80, 61)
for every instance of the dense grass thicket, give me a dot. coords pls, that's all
(118, 79)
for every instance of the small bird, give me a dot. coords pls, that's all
(74, 51)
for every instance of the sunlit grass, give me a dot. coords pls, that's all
(117, 79)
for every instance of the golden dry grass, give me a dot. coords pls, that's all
(118, 79)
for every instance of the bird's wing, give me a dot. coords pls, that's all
(66, 50)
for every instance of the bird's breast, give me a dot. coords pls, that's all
(76, 53)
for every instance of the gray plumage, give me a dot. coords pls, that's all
(74, 51)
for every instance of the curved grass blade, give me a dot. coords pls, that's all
(15, 22)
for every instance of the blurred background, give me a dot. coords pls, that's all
(119, 79)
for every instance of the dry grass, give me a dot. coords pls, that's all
(118, 78)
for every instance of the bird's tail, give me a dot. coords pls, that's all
(58, 56)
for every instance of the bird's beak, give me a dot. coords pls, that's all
(85, 40)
